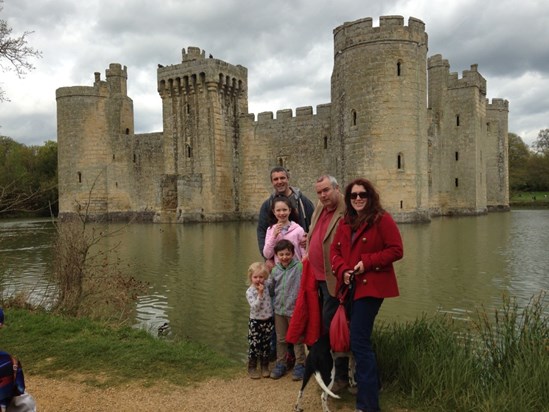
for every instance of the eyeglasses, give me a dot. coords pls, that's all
(362, 195)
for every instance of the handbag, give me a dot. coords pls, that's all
(340, 335)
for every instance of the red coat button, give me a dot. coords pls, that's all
(364, 281)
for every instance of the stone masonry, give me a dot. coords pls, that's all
(430, 141)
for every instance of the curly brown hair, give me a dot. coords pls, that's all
(373, 210)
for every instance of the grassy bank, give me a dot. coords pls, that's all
(495, 362)
(57, 346)
(529, 199)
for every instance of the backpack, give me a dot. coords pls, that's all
(13, 397)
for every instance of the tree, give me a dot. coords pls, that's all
(541, 144)
(28, 178)
(14, 52)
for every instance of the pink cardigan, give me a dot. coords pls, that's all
(295, 235)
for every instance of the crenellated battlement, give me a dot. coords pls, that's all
(301, 113)
(197, 74)
(437, 61)
(391, 28)
(470, 78)
(116, 81)
(498, 104)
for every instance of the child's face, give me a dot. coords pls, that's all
(281, 211)
(258, 279)
(284, 256)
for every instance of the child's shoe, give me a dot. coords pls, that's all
(252, 369)
(265, 368)
(278, 371)
(299, 372)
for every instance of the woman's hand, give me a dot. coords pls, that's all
(347, 276)
(359, 268)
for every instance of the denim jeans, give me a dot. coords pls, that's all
(362, 323)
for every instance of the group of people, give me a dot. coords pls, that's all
(347, 237)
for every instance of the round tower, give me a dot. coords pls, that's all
(88, 118)
(379, 112)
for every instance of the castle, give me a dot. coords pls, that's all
(430, 141)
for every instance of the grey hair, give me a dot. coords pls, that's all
(332, 180)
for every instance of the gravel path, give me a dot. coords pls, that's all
(239, 394)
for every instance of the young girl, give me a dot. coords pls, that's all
(283, 229)
(260, 324)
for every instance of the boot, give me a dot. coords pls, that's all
(265, 367)
(252, 369)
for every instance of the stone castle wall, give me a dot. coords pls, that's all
(212, 160)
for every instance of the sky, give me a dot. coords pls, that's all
(286, 45)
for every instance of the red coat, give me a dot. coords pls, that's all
(378, 247)
(306, 320)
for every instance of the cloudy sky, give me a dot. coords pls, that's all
(287, 46)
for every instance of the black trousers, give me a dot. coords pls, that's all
(328, 306)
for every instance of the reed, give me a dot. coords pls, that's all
(495, 362)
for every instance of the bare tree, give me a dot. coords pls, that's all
(14, 52)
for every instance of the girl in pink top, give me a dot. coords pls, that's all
(283, 229)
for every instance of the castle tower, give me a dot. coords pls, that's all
(202, 99)
(378, 96)
(497, 155)
(457, 139)
(87, 120)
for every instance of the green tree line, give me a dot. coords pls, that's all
(28, 178)
(529, 166)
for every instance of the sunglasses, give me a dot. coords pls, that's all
(362, 195)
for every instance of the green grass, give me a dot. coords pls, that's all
(496, 362)
(529, 199)
(56, 346)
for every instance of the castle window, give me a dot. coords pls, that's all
(281, 162)
(127, 131)
(134, 158)
(353, 117)
(113, 157)
(188, 108)
(399, 68)
(325, 142)
(456, 182)
(488, 126)
(457, 156)
(457, 120)
(401, 204)
(79, 177)
(400, 161)
(189, 151)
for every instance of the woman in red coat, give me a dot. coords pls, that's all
(367, 242)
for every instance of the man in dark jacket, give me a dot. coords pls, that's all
(302, 207)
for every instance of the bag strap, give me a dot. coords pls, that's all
(344, 289)
(15, 367)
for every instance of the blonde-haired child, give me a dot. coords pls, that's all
(260, 324)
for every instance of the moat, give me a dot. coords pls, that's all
(197, 272)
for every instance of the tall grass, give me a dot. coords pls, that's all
(497, 362)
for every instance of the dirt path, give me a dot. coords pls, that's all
(239, 394)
